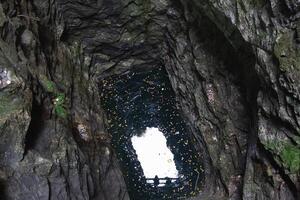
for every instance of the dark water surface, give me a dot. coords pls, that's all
(135, 102)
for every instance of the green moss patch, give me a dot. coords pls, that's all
(289, 154)
(8, 105)
(48, 85)
(59, 99)
(59, 105)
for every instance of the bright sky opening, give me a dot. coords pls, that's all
(154, 155)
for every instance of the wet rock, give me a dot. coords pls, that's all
(2, 16)
(233, 65)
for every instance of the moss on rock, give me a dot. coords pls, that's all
(47, 84)
(288, 153)
(8, 105)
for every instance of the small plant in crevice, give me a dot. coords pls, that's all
(59, 105)
(59, 100)
(50, 86)
(47, 84)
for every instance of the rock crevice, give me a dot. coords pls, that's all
(233, 65)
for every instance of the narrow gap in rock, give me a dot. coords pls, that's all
(2, 190)
(155, 149)
(35, 126)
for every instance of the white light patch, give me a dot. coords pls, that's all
(154, 155)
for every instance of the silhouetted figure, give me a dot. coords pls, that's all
(143, 180)
(156, 181)
(168, 182)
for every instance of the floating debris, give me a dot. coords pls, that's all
(139, 100)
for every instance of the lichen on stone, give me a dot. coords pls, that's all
(287, 52)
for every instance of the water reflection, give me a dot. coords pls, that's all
(144, 122)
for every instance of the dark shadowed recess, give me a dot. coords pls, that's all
(233, 50)
(2, 190)
(35, 127)
(41, 129)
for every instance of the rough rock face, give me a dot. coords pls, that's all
(234, 66)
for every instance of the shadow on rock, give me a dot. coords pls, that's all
(2, 190)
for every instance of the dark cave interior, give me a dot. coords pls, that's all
(141, 99)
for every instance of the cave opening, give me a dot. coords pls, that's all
(158, 161)
(156, 152)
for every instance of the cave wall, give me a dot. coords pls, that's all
(53, 140)
(271, 29)
(234, 66)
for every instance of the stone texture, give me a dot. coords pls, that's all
(234, 66)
